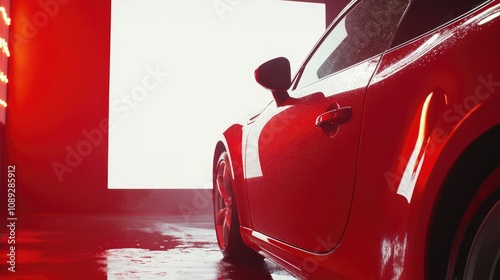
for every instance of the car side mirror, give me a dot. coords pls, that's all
(275, 75)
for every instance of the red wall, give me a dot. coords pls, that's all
(58, 87)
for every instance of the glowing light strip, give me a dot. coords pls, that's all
(3, 77)
(6, 18)
(5, 46)
(5, 49)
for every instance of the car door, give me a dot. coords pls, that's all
(301, 156)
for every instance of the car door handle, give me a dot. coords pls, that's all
(337, 117)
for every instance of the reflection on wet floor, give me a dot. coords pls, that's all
(124, 247)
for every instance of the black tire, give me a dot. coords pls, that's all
(479, 248)
(227, 225)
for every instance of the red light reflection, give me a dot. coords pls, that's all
(124, 247)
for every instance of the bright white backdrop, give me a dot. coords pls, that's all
(182, 72)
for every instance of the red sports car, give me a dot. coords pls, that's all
(380, 159)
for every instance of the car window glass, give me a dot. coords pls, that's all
(364, 32)
(425, 15)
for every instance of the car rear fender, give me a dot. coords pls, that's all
(467, 150)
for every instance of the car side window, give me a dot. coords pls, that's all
(425, 15)
(365, 31)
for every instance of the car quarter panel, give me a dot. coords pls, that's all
(429, 100)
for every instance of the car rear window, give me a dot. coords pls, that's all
(425, 15)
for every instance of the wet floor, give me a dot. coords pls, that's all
(123, 247)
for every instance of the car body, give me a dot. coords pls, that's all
(380, 158)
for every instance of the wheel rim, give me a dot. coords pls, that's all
(223, 203)
(483, 259)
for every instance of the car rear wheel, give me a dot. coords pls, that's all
(227, 226)
(483, 258)
(479, 250)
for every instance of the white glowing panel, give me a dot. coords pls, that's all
(182, 72)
